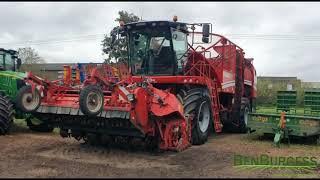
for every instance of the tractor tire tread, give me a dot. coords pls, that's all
(242, 126)
(6, 114)
(191, 101)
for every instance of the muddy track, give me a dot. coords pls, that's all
(27, 154)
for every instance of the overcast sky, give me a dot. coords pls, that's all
(283, 38)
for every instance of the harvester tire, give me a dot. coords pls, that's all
(91, 100)
(245, 109)
(6, 114)
(42, 127)
(196, 101)
(26, 102)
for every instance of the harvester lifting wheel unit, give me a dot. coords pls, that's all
(181, 85)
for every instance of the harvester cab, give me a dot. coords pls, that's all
(159, 48)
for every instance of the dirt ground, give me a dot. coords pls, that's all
(28, 154)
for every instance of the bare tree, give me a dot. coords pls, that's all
(28, 55)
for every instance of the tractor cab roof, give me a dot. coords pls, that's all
(10, 51)
(156, 24)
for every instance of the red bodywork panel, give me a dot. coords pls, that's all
(221, 65)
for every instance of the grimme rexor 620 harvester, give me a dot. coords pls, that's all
(180, 86)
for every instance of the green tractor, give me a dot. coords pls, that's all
(11, 81)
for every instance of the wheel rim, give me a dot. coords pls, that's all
(204, 116)
(246, 116)
(94, 101)
(29, 101)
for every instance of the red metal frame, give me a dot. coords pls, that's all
(198, 70)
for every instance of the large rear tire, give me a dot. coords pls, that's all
(26, 101)
(245, 109)
(196, 102)
(91, 100)
(6, 114)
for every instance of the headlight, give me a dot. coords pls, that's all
(131, 97)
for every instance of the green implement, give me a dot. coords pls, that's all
(285, 122)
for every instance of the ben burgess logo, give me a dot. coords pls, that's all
(266, 162)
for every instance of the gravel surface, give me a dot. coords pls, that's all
(28, 154)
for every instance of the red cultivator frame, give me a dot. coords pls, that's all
(118, 100)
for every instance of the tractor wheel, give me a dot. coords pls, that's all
(41, 126)
(196, 102)
(6, 114)
(26, 101)
(91, 100)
